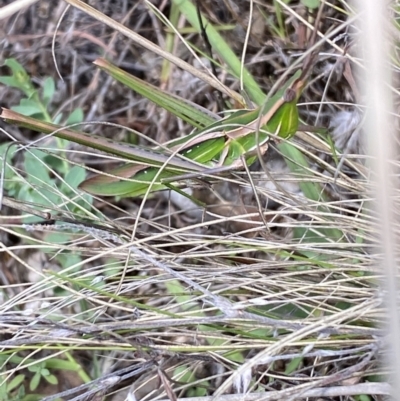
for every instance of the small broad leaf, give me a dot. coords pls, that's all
(59, 238)
(8, 81)
(198, 391)
(41, 197)
(311, 3)
(15, 382)
(51, 379)
(33, 385)
(293, 365)
(54, 162)
(363, 397)
(66, 259)
(35, 368)
(26, 110)
(75, 176)
(35, 167)
(75, 117)
(28, 107)
(19, 78)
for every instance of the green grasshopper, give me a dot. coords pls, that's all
(224, 143)
(228, 143)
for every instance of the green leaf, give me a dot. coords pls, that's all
(293, 365)
(48, 90)
(36, 169)
(40, 196)
(75, 176)
(198, 391)
(51, 379)
(33, 385)
(19, 78)
(362, 397)
(66, 259)
(21, 394)
(75, 117)
(311, 3)
(185, 374)
(15, 382)
(8, 81)
(28, 107)
(85, 200)
(54, 162)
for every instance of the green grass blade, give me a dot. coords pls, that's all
(190, 112)
(167, 67)
(222, 48)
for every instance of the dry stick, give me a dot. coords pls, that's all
(51, 219)
(18, 205)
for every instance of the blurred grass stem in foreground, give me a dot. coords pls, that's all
(381, 133)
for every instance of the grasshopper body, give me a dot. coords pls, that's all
(222, 143)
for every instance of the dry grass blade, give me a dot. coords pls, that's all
(271, 291)
(154, 48)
